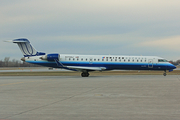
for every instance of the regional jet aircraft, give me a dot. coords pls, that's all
(88, 63)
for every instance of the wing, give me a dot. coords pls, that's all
(80, 68)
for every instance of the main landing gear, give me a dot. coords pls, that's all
(85, 74)
(164, 73)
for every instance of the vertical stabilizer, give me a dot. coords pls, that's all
(26, 48)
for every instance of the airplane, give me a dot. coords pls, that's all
(88, 63)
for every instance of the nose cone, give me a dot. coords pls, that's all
(171, 67)
(174, 67)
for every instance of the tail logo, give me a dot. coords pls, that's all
(27, 49)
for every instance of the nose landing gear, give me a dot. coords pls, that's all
(164, 73)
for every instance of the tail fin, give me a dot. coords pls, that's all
(26, 48)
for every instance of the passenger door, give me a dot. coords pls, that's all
(90, 60)
(150, 63)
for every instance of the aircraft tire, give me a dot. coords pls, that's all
(164, 74)
(85, 74)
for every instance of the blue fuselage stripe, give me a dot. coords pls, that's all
(109, 65)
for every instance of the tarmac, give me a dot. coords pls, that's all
(126, 97)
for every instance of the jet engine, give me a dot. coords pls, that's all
(50, 57)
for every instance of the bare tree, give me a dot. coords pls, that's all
(6, 61)
(15, 63)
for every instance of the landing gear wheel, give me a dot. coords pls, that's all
(164, 74)
(85, 74)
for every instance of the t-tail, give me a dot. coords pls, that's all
(26, 48)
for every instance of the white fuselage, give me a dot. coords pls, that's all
(110, 62)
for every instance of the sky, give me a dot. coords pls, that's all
(107, 27)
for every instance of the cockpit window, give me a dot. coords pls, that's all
(162, 60)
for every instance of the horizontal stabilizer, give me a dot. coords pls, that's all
(11, 41)
(22, 40)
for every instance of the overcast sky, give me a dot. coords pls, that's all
(116, 27)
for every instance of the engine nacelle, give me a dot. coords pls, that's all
(51, 57)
